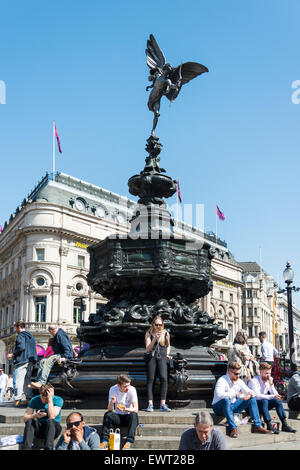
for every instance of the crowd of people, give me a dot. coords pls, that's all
(247, 387)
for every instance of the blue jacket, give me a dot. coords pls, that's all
(25, 348)
(62, 344)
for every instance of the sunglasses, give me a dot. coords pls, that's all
(75, 423)
(157, 324)
(236, 373)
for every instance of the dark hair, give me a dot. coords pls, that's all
(75, 413)
(20, 324)
(44, 389)
(240, 337)
(262, 333)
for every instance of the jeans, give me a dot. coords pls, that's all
(265, 405)
(159, 365)
(21, 379)
(48, 430)
(115, 420)
(45, 368)
(226, 408)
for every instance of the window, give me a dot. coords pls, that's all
(231, 297)
(230, 332)
(77, 313)
(40, 281)
(249, 293)
(250, 312)
(40, 309)
(250, 332)
(221, 295)
(80, 261)
(79, 286)
(255, 311)
(40, 254)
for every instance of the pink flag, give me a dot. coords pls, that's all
(220, 214)
(1, 229)
(57, 138)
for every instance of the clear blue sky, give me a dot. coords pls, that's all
(232, 136)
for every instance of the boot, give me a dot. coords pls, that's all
(286, 428)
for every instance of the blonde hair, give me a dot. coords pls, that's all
(163, 331)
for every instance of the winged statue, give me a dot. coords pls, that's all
(166, 80)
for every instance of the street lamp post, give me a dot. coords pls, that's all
(288, 276)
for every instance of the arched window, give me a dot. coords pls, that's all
(40, 309)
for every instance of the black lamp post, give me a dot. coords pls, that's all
(288, 276)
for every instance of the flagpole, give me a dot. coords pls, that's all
(53, 151)
(177, 201)
(216, 226)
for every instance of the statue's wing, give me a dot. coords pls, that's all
(155, 56)
(186, 72)
(182, 75)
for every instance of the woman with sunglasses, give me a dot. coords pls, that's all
(157, 341)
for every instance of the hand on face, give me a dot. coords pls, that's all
(67, 436)
(77, 434)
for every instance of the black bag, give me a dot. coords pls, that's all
(148, 355)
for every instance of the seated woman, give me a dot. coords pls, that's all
(240, 353)
(157, 341)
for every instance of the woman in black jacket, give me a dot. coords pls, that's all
(157, 341)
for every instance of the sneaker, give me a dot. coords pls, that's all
(150, 408)
(104, 445)
(164, 408)
(127, 445)
(272, 428)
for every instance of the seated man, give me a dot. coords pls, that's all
(293, 392)
(78, 436)
(233, 396)
(268, 398)
(203, 436)
(63, 350)
(42, 418)
(122, 411)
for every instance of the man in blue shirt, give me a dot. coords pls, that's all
(63, 350)
(42, 418)
(24, 356)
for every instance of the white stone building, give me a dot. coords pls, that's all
(44, 259)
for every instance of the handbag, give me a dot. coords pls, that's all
(114, 439)
(148, 355)
(154, 352)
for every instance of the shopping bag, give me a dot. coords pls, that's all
(114, 440)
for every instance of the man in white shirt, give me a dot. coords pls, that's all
(267, 349)
(122, 411)
(3, 383)
(233, 396)
(268, 398)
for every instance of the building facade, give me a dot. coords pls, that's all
(44, 260)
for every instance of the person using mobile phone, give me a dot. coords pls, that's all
(78, 436)
(42, 418)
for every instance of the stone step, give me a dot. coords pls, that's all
(162, 431)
